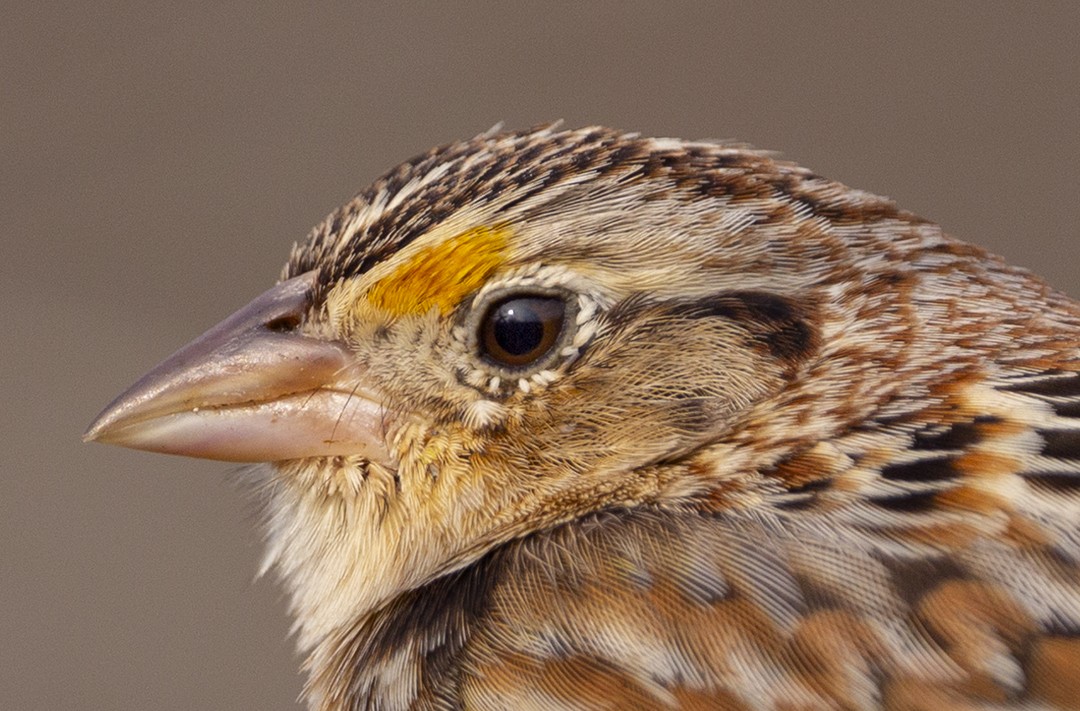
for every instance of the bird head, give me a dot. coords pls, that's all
(516, 331)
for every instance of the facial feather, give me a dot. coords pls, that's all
(745, 336)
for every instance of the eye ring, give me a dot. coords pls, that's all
(522, 330)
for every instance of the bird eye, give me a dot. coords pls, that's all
(520, 330)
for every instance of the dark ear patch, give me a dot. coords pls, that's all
(777, 323)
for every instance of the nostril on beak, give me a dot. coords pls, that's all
(284, 324)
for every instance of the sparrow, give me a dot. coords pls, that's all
(579, 419)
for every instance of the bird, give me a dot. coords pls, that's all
(583, 419)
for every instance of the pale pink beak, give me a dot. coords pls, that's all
(252, 389)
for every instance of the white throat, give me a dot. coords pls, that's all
(343, 544)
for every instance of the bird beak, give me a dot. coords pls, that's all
(252, 389)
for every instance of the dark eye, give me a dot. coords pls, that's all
(521, 329)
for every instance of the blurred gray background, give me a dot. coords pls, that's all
(158, 160)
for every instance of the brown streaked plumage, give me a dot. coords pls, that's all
(583, 420)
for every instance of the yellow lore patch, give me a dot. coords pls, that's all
(442, 275)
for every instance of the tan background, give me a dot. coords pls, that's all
(158, 161)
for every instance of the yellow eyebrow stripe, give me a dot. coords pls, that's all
(443, 274)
